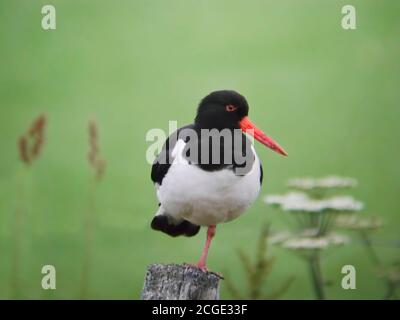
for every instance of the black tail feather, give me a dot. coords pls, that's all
(183, 228)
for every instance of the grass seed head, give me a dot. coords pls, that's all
(94, 158)
(30, 144)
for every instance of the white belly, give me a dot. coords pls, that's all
(207, 198)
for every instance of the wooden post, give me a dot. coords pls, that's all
(179, 282)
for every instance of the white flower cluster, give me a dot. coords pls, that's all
(279, 237)
(299, 243)
(357, 223)
(297, 201)
(291, 197)
(303, 241)
(323, 183)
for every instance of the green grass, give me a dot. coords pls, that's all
(329, 96)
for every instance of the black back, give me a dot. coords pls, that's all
(164, 160)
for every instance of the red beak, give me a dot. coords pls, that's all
(247, 126)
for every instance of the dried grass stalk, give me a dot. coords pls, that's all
(30, 144)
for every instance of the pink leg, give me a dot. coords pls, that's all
(203, 259)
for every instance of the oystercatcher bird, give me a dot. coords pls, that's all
(206, 185)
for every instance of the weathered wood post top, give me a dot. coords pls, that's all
(179, 282)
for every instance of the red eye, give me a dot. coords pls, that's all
(230, 108)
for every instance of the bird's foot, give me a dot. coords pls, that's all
(204, 268)
(200, 266)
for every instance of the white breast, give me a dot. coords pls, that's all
(206, 197)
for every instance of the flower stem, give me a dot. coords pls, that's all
(17, 233)
(370, 249)
(15, 260)
(88, 240)
(390, 288)
(316, 276)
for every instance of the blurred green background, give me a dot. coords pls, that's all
(329, 96)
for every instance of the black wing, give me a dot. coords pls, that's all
(163, 161)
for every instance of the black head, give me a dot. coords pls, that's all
(221, 109)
